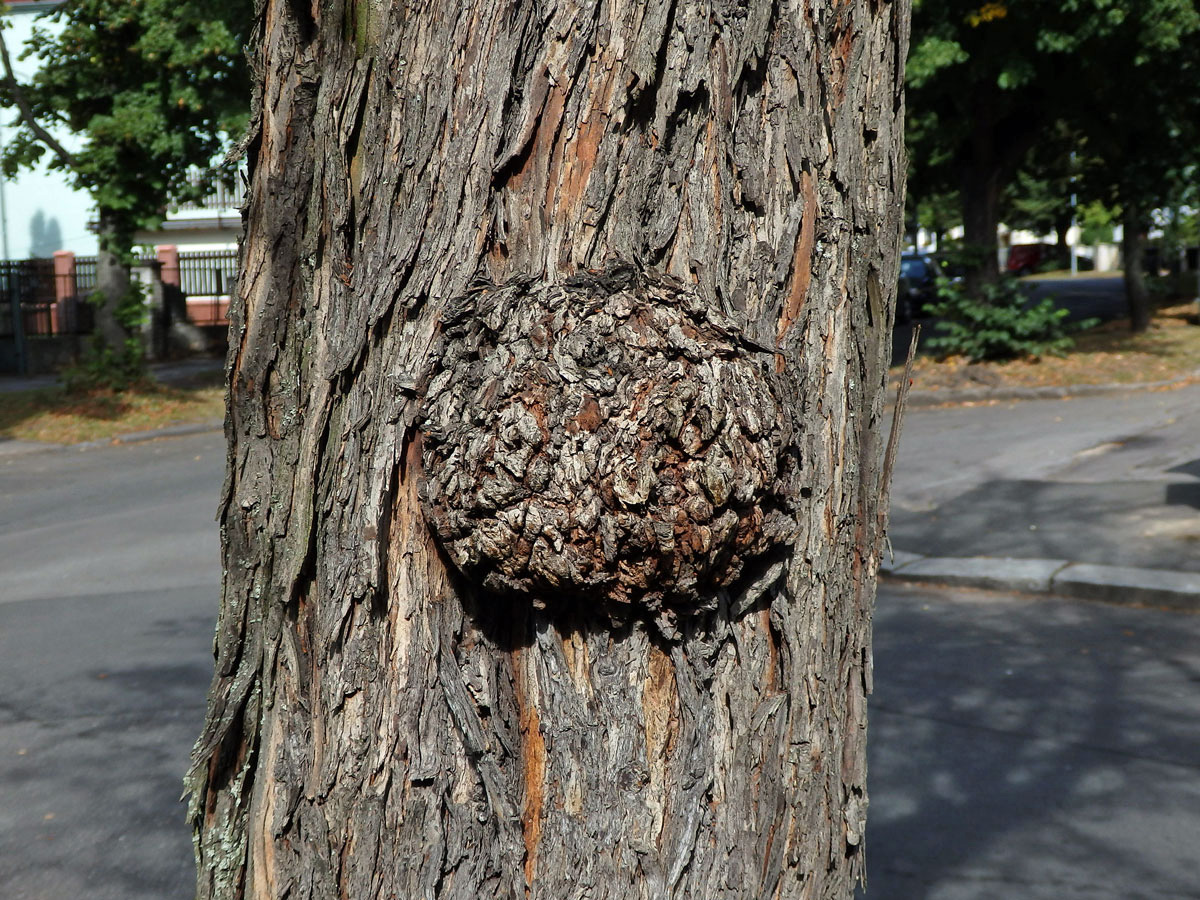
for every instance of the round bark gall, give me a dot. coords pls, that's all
(609, 439)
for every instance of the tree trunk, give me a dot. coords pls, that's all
(1133, 249)
(112, 282)
(554, 498)
(981, 218)
(1062, 246)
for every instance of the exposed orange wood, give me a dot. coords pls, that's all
(802, 258)
(659, 704)
(533, 754)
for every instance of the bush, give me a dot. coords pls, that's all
(1171, 288)
(1001, 324)
(106, 368)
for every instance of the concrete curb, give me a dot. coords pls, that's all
(137, 437)
(1123, 585)
(918, 399)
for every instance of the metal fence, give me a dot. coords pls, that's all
(208, 280)
(56, 304)
(47, 303)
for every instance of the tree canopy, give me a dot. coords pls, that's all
(987, 82)
(152, 88)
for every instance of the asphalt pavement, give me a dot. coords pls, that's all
(1091, 491)
(1023, 745)
(109, 588)
(1109, 480)
(1086, 296)
(1026, 748)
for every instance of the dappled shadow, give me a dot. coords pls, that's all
(1119, 523)
(1031, 749)
(105, 696)
(95, 798)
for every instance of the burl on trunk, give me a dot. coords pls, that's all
(554, 497)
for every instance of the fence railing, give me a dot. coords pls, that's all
(218, 195)
(48, 303)
(55, 303)
(208, 279)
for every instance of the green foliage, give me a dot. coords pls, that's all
(1096, 222)
(931, 55)
(103, 367)
(153, 91)
(153, 88)
(1000, 324)
(992, 80)
(1038, 197)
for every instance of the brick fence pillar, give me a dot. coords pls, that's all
(168, 258)
(64, 291)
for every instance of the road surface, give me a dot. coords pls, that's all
(1032, 749)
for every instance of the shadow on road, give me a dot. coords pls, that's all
(104, 695)
(1032, 750)
(1074, 521)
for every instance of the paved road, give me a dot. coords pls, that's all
(1033, 749)
(1101, 297)
(1111, 479)
(1019, 748)
(108, 594)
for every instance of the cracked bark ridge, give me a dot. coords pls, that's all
(608, 440)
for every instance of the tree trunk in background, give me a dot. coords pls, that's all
(600, 293)
(1062, 246)
(1133, 251)
(981, 218)
(112, 282)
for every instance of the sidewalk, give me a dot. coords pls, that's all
(179, 372)
(175, 372)
(1093, 495)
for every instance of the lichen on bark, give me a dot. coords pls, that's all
(610, 440)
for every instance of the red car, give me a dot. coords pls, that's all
(1024, 259)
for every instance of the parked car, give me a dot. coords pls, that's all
(1025, 259)
(918, 285)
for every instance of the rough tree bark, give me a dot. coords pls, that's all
(555, 497)
(113, 280)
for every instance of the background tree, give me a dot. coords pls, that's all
(1146, 133)
(554, 498)
(1044, 193)
(152, 90)
(932, 200)
(45, 236)
(992, 79)
(985, 90)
